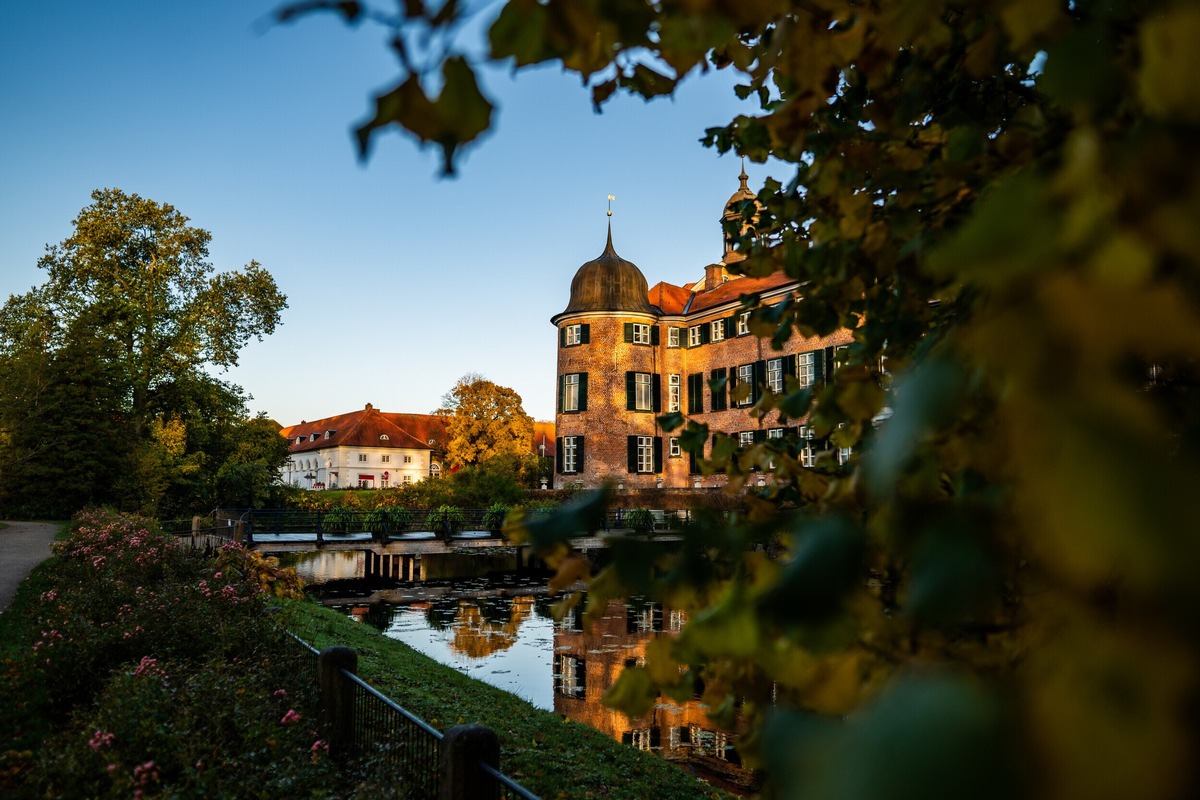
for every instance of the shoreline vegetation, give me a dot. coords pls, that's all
(129, 667)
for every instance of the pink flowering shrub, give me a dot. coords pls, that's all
(151, 671)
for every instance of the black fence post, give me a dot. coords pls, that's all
(337, 698)
(463, 748)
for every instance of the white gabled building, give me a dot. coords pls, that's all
(369, 448)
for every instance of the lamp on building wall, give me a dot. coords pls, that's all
(659, 481)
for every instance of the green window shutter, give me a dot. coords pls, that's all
(693, 464)
(630, 391)
(585, 333)
(583, 391)
(658, 454)
(818, 367)
(719, 394)
(631, 453)
(579, 454)
(829, 363)
(696, 393)
(760, 435)
(760, 380)
(789, 365)
(561, 380)
(654, 335)
(558, 455)
(628, 332)
(656, 392)
(705, 333)
(562, 336)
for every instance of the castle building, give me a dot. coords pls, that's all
(628, 353)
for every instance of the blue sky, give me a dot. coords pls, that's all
(398, 281)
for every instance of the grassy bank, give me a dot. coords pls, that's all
(551, 756)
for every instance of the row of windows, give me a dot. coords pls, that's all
(641, 333)
(312, 437)
(385, 459)
(643, 389)
(645, 453)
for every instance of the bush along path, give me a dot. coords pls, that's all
(132, 668)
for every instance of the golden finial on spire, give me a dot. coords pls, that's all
(610, 199)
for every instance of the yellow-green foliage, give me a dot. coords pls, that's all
(995, 597)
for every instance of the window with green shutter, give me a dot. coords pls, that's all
(717, 387)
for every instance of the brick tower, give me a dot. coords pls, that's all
(608, 377)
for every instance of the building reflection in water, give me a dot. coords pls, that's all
(499, 629)
(588, 662)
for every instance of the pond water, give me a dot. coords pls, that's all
(478, 614)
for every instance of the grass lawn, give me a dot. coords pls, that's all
(550, 756)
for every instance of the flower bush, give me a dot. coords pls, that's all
(152, 671)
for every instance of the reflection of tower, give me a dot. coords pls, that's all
(588, 662)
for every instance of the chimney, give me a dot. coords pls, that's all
(714, 276)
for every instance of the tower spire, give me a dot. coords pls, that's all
(609, 246)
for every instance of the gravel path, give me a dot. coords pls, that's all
(23, 545)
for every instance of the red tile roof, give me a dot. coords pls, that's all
(675, 300)
(364, 428)
(732, 290)
(670, 299)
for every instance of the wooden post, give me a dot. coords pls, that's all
(463, 748)
(337, 698)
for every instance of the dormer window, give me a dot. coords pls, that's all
(383, 437)
(299, 440)
(329, 433)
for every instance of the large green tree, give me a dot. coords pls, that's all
(106, 395)
(1000, 199)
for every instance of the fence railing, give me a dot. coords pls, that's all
(384, 524)
(370, 732)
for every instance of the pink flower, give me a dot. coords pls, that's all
(144, 774)
(101, 739)
(290, 718)
(279, 693)
(320, 745)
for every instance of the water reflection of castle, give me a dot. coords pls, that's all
(588, 662)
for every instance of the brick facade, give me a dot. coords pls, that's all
(616, 359)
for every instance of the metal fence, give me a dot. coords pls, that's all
(386, 743)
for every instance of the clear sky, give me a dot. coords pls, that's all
(398, 281)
